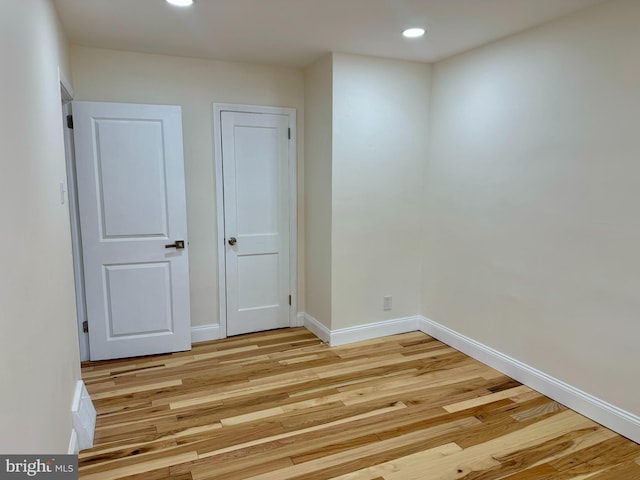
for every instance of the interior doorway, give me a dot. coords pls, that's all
(256, 186)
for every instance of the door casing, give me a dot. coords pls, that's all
(218, 108)
(67, 95)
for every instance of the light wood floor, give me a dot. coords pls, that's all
(282, 405)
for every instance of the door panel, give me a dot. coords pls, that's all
(133, 306)
(255, 157)
(132, 204)
(257, 175)
(129, 157)
(256, 289)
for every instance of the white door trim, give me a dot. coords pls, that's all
(67, 95)
(218, 108)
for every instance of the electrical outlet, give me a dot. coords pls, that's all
(387, 302)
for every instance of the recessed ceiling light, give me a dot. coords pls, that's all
(181, 3)
(413, 32)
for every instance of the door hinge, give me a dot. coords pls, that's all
(69, 121)
(289, 299)
(85, 326)
(289, 134)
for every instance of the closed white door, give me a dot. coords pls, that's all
(255, 163)
(131, 198)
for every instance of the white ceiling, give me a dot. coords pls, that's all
(296, 32)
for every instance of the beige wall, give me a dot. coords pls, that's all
(194, 84)
(39, 344)
(380, 114)
(317, 180)
(532, 199)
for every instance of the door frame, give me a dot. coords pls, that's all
(218, 108)
(67, 96)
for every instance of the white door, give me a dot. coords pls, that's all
(131, 199)
(255, 164)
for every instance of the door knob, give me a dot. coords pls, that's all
(179, 244)
(233, 241)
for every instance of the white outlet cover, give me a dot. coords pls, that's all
(387, 302)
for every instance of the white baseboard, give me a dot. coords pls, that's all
(343, 336)
(317, 328)
(73, 443)
(205, 333)
(610, 416)
(83, 415)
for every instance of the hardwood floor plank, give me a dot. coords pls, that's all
(538, 472)
(612, 451)
(484, 399)
(405, 468)
(626, 471)
(545, 409)
(139, 467)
